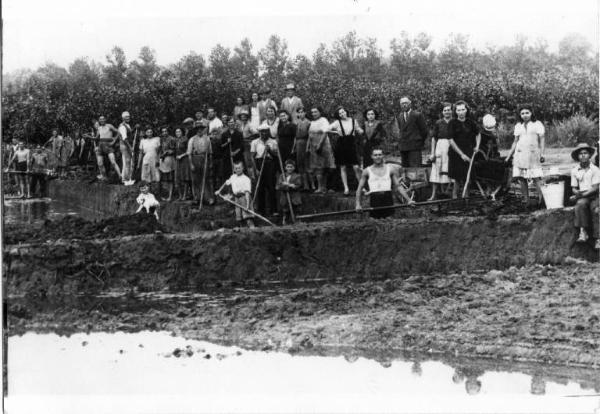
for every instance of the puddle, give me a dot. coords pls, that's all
(35, 211)
(157, 372)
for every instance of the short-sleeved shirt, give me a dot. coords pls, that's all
(440, 129)
(259, 146)
(150, 148)
(214, 125)
(273, 127)
(147, 200)
(239, 183)
(199, 145)
(585, 178)
(302, 129)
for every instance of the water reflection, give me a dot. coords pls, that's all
(23, 211)
(157, 363)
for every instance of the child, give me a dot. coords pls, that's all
(147, 201)
(289, 183)
(241, 187)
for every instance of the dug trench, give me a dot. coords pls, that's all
(508, 287)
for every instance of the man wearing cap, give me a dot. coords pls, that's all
(264, 150)
(413, 132)
(107, 135)
(585, 179)
(126, 146)
(248, 134)
(264, 103)
(291, 102)
(199, 153)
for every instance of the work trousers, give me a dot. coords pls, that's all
(266, 198)
(411, 158)
(586, 216)
(126, 170)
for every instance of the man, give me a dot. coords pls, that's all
(585, 179)
(291, 102)
(215, 127)
(232, 147)
(413, 133)
(264, 103)
(382, 179)
(39, 165)
(199, 118)
(107, 136)
(126, 146)
(264, 150)
(248, 134)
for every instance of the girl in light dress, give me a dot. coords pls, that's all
(528, 149)
(149, 149)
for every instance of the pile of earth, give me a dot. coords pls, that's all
(73, 227)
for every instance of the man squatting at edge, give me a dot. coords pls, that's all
(382, 179)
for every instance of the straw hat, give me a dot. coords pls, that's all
(579, 147)
(290, 86)
(188, 120)
(489, 122)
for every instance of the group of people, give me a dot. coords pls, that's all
(285, 149)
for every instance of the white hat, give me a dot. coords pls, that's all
(124, 114)
(290, 86)
(489, 122)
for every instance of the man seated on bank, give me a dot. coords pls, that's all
(585, 179)
(147, 201)
(382, 179)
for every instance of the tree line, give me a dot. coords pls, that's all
(352, 71)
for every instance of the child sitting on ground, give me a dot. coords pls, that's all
(147, 201)
(241, 188)
(289, 183)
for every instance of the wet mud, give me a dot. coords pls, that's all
(543, 313)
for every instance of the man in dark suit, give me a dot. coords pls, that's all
(413, 133)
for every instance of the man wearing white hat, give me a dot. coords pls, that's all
(126, 146)
(585, 180)
(291, 102)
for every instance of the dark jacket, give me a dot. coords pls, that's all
(413, 132)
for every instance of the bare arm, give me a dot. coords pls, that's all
(512, 148)
(433, 143)
(399, 188)
(361, 184)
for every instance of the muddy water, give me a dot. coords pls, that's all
(36, 211)
(156, 371)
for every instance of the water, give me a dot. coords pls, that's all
(121, 372)
(35, 211)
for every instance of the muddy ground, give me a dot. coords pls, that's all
(540, 313)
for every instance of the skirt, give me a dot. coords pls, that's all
(182, 170)
(457, 167)
(301, 156)
(167, 164)
(345, 151)
(167, 177)
(150, 173)
(322, 159)
(439, 169)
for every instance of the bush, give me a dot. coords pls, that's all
(571, 131)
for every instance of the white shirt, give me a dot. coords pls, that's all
(378, 183)
(239, 184)
(584, 179)
(150, 147)
(273, 127)
(214, 124)
(259, 146)
(147, 200)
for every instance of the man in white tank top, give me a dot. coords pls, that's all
(382, 180)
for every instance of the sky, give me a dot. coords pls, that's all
(39, 31)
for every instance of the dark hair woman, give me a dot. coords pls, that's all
(319, 148)
(345, 153)
(528, 149)
(182, 168)
(374, 135)
(464, 137)
(440, 146)
(286, 133)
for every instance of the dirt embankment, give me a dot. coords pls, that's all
(542, 312)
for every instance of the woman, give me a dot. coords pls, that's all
(182, 167)
(319, 148)
(440, 145)
(345, 153)
(254, 112)
(22, 159)
(528, 147)
(66, 152)
(168, 145)
(240, 105)
(374, 135)
(149, 148)
(300, 147)
(286, 131)
(464, 137)
(271, 121)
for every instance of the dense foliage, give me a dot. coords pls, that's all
(351, 72)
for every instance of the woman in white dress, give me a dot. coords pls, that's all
(254, 112)
(528, 149)
(440, 143)
(149, 149)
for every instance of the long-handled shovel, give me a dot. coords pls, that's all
(247, 210)
(468, 175)
(258, 181)
(203, 179)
